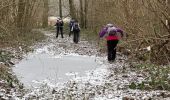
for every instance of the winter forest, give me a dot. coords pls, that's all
(37, 64)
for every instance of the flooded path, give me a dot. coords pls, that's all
(43, 66)
(56, 62)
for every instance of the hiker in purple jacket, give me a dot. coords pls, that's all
(112, 35)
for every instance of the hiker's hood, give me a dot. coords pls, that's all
(109, 25)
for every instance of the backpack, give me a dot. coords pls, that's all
(71, 23)
(111, 31)
(76, 27)
(60, 23)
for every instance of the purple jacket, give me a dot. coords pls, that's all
(102, 32)
(113, 29)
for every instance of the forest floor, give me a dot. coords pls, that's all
(110, 81)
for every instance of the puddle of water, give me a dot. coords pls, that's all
(44, 66)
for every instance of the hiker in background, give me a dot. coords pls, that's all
(76, 31)
(112, 35)
(59, 27)
(71, 25)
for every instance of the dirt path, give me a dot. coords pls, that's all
(107, 82)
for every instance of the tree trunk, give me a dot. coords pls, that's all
(85, 14)
(81, 14)
(45, 14)
(20, 16)
(168, 8)
(72, 9)
(60, 8)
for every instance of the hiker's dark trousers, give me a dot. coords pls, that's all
(76, 36)
(59, 29)
(111, 47)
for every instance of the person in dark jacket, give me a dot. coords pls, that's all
(76, 31)
(59, 27)
(71, 25)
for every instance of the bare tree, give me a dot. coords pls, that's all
(85, 13)
(19, 15)
(21, 10)
(45, 14)
(81, 14)
(60, 8)
(72, 9)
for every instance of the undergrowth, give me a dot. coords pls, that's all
(158, 77)
(21, 39)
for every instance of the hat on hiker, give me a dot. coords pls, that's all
(109, 25)
(58, 18)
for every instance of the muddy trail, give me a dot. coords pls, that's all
(62, 70)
